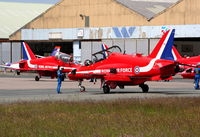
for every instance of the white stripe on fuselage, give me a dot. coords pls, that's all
(90, 71)
(31, 65)
(149, 66)
(45, 66)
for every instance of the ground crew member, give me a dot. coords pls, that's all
(197, 76)
(60, 79)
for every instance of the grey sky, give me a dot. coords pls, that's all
(33, 1)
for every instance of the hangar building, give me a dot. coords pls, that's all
(13, 16)
(80, 26)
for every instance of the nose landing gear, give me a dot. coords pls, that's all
(82, 88)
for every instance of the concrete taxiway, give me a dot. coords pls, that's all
(24, 88)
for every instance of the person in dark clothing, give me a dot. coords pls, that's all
(197, 76)
(60, 79)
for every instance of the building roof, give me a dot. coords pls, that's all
(148, 8)
(14, 15)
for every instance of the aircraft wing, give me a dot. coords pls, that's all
(183, 64)
(4, 66)
(38, 56)
(9, 67)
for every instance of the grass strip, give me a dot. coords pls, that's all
(163, 117)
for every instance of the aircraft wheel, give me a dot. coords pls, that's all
(82, 89)
(145, 88)
(37, 78)
(106, 89)
(18, 72)
(121, 87)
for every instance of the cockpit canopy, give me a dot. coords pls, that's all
(101, 55)
(64, 57)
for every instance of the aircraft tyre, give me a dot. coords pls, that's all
(121, 87)
(37, 78)
(106, 89)
(82, 89)
(18, 72)
(145, 88)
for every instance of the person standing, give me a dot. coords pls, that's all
(60, 79)
(197, 76)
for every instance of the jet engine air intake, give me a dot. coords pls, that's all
(73, 72)
(113, 70)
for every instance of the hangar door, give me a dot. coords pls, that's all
(88, 48)
(45, 48)
(10, 52)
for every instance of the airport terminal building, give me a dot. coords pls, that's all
(81, 26)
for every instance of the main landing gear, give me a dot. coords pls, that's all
(82, 88)
(18, 72)
(106, 89)
(37, 78)
(144, 87)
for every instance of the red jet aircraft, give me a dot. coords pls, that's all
(45, 66)
(124, 70)
(188, 64)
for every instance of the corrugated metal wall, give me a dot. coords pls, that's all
(142, 46)
(76, 51)
(16, 52)
(86, 50)
(10, 52)
(6, 52)
(152, 44)
(130, 46)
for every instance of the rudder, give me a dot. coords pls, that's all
(55, 51)
(163, 49)
(27, 52)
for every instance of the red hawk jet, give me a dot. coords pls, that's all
(45, 66)
(124, 70)
(187, 64)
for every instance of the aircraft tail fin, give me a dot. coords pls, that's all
(163, 49)
(176, 54)
(27, 52)
(55, 51)
(105, 53)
